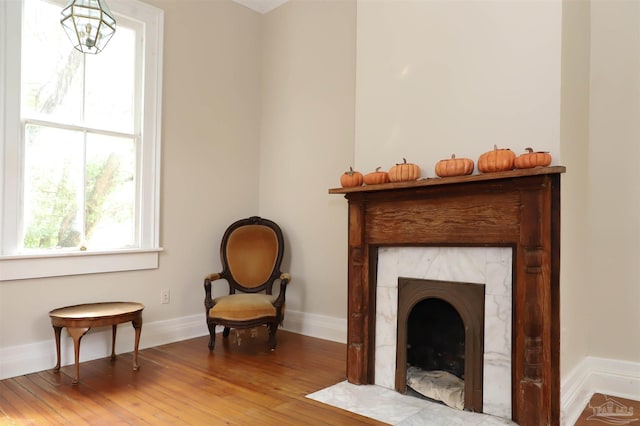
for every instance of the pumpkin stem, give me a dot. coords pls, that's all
(529, 150)
(453, 156)
(378, 168)
(350, 172)
(495, 147)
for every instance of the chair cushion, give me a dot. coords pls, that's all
(239, 307)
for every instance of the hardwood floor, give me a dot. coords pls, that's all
(612, 410)
(182, 383)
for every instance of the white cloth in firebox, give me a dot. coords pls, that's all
(438, 385)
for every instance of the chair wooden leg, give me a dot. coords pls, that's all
(212, 334)
(225, 332)
(272, 335)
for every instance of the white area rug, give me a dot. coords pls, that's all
(391, 407)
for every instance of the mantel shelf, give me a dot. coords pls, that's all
(451, 180)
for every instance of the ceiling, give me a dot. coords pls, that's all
(261, 6)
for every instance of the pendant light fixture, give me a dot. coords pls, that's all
(89, 24)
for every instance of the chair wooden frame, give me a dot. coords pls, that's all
(266, 287)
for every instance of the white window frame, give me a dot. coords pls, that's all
(15, 266)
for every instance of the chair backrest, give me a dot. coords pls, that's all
(251, 252)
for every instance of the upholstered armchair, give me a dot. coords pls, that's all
(251, 252)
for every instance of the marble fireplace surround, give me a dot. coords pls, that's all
(490, 266)
(519, 210)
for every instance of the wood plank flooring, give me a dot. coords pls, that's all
(183, 384)
(610, 410)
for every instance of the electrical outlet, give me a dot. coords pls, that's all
(164, 296)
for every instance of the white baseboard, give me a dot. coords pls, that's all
(598, 375)
(39, 356)
(320, 326)
(575, 392)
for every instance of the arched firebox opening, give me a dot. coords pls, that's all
(440, 341)
(435, 338)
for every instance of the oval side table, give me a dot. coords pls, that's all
(80, 318)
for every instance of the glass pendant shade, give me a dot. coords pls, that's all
(89, 24)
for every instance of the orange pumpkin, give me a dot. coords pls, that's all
(351, 178)
(498, 160)
(454, 167)
(532, 159)
(376, 178)
(404, 172)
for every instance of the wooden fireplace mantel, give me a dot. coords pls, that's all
(518, 209)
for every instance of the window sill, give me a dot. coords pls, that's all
(76, 263)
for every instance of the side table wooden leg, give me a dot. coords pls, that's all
(56, 331)
(137, 325)
(114, 327)
(76, 334)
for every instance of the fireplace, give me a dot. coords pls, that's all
(441, 338)
(488, 267)
(516, 210)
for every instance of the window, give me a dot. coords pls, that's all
(81, 138)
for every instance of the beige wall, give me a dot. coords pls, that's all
(258, 118)
(306, 143)
(614, 196)
(211, 133)
(442, 77)
(574, 134)
(209, 173)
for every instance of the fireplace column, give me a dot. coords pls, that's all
(361, 318)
